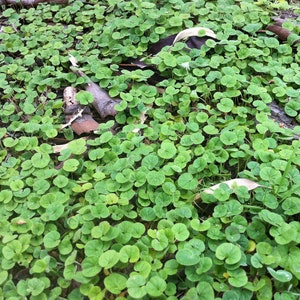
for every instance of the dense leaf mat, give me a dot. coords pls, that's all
(119, 214)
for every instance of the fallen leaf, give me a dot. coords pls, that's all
(249, 184)
(59, 148)
(143, 118)
(73, 60)
(193, 32)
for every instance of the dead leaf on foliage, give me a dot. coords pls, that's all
(143, 118)
(73, 60)
(184, 34)
(237, 182)
(59, 148)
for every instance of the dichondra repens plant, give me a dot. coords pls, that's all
(188, 188)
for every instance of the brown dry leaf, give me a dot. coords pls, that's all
(249, 184)
(193, 32)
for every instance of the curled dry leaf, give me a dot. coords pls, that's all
(193, 32)
(249, 184)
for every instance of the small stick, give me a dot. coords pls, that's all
(79, 114)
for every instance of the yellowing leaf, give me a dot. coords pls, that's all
(249, 184)
(193, 32)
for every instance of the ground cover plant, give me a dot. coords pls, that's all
(154, 203)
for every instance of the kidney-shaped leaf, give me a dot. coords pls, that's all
(280, 275)
(229, 252)
(115, 283)
(108, 259)
(156, 286)
(187, 257)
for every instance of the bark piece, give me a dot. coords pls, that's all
(282, 33)
(278, 114)
(103, 103)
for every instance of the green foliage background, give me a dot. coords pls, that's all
(116, 217)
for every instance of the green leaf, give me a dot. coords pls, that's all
(229, 252)
(181, 232)
(115, 283)
(71, 165)
(136, 286)
(205, 291)
(270, 174)
(204, 265)
(51, 240)
(237, 278)
(35, 286)
(228, 81)
(40, 186)
(3, 276)
(40, 160)
(54, 211)
(169, 59)
(129, 253)
(291, 206)
(11, 249)
(84, 97)
(77, 146)
(156, 286)
(61, 181)
(252, 28)
(232, 234)
(90, 266)
(187, 182)
(167, 150)
(228, 137)
(108, 259)
(271, 218)
(225, 105)
(292, 108)
(280, 275)
(187, 257)
(155, 178)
